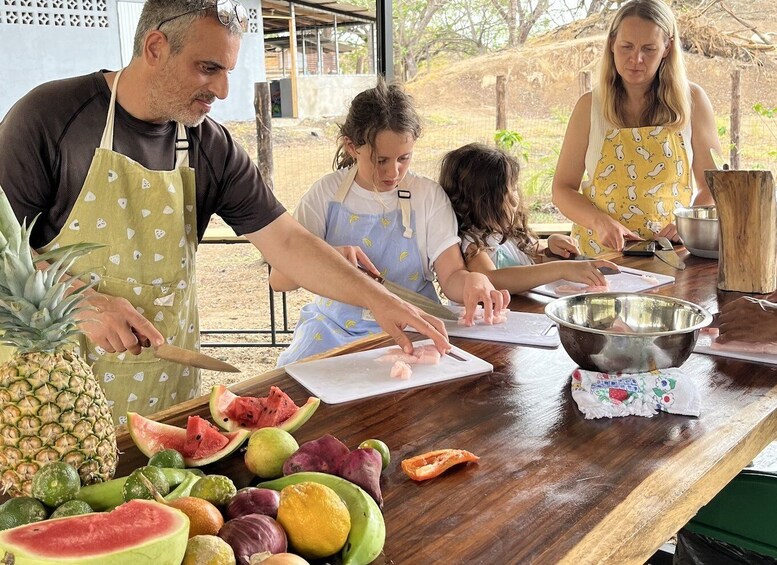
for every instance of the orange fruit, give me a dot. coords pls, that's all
(204, 518)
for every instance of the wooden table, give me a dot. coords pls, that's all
(551, 486)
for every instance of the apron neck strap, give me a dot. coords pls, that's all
(402, 193)
(106, 142)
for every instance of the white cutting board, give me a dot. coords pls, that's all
(359, 375)
(628, 280)
(703, 346)
(521, 328)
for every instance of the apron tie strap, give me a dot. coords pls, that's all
(404, 206)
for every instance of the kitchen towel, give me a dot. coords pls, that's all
(604, 395)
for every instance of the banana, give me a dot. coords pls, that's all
(368, 530)
(107, 495)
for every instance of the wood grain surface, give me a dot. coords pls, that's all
(550, 487)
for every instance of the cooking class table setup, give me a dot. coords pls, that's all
(585, 425)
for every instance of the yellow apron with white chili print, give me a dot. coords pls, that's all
(147, 221)
(643, 174)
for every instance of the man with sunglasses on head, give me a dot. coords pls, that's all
(131, 160)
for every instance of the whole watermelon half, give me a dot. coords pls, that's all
(139, 532)
(233, 412)
(200, 442)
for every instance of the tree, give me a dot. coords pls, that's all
(520, 17)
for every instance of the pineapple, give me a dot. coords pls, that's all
(51, 406)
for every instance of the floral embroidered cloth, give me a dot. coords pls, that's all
(603, 395)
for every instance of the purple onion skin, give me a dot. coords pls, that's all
(253, 500)
(253, 533)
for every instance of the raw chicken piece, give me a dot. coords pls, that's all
(567, 289)
(769, 348)
(498, 318)
(424, 355)
(401, 370)
(619, 325)
(649, 279)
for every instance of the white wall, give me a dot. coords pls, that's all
(34, 50)
(323, 95)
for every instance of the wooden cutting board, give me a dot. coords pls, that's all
(628, 280)
(359, 375)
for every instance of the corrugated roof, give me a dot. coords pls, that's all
(312, 14)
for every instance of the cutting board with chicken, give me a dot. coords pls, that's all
(361, 375)
(755, 352)
(628, 280)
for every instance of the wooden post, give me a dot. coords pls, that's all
(735, 118)
(747, 214)
(584, 82)
(501, 102)
(263, 110)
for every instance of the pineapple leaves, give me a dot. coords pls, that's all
(9, 225)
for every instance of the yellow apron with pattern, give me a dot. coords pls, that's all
(643, 174)
(147, 221)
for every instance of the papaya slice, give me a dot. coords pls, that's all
(232, 412)
(151, 436)
(435, 463)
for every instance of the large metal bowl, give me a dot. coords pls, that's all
(698, 228)
(665, 330)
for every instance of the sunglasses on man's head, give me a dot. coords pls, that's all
(227, 10)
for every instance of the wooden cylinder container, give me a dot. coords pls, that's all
(747, 215)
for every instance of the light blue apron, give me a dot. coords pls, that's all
(389, 241)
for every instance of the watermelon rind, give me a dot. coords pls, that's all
(47, 543)
(221, 397)
(151, 436)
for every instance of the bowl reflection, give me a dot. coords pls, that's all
(626, 332)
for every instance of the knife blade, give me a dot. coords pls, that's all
(426, 304)
(668, 255)
(192, 358)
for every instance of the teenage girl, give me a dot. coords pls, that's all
(482, 184)
(387, 219)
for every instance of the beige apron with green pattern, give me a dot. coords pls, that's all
(147, 221)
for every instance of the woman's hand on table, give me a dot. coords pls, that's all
(670, 232)
(743, 320)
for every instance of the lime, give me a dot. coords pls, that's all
(135, 487)
(167, 458)
(216, 489)
(72, 508)
(21, 510)
(380, 447)
(55, 483)
(268, 450)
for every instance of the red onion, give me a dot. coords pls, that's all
(253, 500)
(253, 533)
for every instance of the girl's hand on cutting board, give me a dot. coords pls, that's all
(477, 289)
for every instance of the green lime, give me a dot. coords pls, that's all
(216, 489)
(135, 487)
(55, 483)
(380, 447)
(167, 458)
(72, 508)
(21, 510)
(268, 450)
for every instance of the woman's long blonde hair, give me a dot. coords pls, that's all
(669, 98)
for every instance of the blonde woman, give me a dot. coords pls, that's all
(642, 136)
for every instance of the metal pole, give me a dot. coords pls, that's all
(385, 39)
(337, 46)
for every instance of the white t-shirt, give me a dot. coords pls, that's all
(435, 222)
(511, 254)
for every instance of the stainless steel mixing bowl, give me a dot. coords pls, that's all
(698, 228)
(664, 333)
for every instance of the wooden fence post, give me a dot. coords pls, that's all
(263, 111)
(735, 119)
(584, 82)
(501, 102)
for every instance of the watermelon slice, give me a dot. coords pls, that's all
(233, 412)
(212, 445)
(139, 532)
